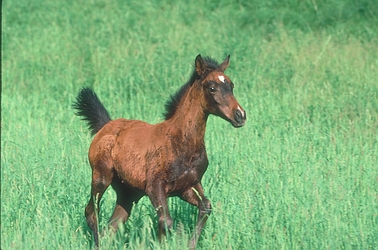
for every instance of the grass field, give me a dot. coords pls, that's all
(301, 174)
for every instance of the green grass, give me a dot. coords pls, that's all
(301, 174)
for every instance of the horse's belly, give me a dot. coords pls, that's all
(130, 166)
(131, 175)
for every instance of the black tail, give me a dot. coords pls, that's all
(91, 109)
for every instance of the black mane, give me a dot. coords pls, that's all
(172, 103)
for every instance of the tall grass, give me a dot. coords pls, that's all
(302, 173)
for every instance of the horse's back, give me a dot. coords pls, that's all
(106, 138)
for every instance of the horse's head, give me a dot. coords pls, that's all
(219, 99)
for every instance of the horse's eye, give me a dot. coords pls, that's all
(212, 89)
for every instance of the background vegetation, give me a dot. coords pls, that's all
(302, 173)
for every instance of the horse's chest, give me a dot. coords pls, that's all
(187, 170)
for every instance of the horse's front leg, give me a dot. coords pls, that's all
(158, 196)
(196, 197)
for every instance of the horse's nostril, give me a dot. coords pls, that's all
(238, 116)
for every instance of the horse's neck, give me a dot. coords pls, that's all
(190, 118)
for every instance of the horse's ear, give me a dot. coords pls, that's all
(200, 65)
(224, 65)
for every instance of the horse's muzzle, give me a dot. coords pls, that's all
(240, 117)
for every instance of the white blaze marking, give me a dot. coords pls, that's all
(221, 78)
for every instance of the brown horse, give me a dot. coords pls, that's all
(161, 160)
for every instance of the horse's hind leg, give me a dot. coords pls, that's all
(125, 199)
(102, 176)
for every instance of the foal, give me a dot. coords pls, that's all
(161, 160)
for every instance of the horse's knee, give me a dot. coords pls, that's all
(206, 207)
